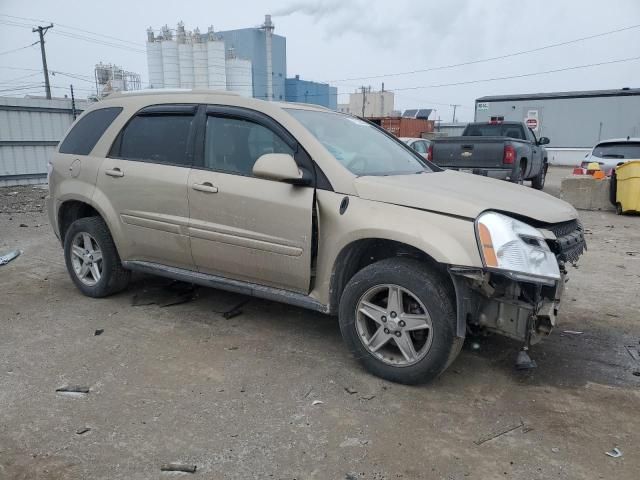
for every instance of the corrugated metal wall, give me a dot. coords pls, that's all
(30, 129)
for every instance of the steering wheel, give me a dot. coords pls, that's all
(358, 159)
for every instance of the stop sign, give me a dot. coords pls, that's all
(532, 123)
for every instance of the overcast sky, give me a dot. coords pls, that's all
(341, 41)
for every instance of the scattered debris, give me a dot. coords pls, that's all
(350, 476)
(353, 442)
(632, 253)
(475, 346)
(99, 331)
(178, 467)
(555, 449)
(634, 352)
(231, 348)
(6, 258)
(615, 453)
(572, 332)
(498, 434)
(174, 293)
(24, 225)
(73, 389)
(308, 392)
(367, 397)
(613, 315)
(350, 390)
(317, 402)
(235, 311)
(636, 373)
(83, 430)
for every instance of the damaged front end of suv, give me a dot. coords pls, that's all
(517, 293)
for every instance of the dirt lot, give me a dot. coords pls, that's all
(235, 396)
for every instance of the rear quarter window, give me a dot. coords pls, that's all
(85, 134)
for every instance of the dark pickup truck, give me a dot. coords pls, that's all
(505, 150)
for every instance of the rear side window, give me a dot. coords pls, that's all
(420, 147)
(85, 134)
(159, 138)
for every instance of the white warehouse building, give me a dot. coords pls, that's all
(194, 60)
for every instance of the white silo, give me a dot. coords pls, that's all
(239, 76)
(170, 67)
(200, 65)
(154, 61)
(216, 61)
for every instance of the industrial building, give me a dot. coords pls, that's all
(267, 53)
(112, 78)
(305, 91)
(376, 104)
(573, 121)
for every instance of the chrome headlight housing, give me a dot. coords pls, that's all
(515, 249)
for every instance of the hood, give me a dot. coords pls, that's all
(465, 195)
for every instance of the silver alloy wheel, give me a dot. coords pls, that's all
(86, 258)
(394, 325)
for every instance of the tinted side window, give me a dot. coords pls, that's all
(162, 138)
(85, 134)
(233, 145)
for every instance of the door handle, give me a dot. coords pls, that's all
(206, 187)
(114, 172)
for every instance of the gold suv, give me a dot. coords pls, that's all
(299, 204)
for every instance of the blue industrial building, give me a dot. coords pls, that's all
(251, 44)
(305, 91)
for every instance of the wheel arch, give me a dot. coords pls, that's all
(363, 252)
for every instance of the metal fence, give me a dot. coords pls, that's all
(30, 129)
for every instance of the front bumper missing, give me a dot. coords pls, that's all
(496, 303)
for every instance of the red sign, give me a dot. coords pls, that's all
(532, 123)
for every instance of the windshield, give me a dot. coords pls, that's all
(359, 146)
(497, 130)
(617, 150)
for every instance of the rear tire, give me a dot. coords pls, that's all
(538, 181)
(92, 259)
(424, 297)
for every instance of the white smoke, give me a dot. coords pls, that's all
(316, 9)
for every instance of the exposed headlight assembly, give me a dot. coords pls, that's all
(515, 249)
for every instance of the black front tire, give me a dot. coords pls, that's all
(114, 277)
(433, 290)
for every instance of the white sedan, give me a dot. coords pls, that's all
(610, 153)
(420, 145)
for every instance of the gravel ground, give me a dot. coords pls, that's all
(236, 396)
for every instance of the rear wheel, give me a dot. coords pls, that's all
(537, 182)
(92, 259)
(398, 319)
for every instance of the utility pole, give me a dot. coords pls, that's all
(364, 98)
(41, 31)
(73, 103)
(454, 112)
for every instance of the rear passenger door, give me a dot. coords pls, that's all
(243, 227)
(143, 183)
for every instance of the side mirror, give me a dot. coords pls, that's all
(543, 141)
(280, 167)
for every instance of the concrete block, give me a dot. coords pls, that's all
(586, 193)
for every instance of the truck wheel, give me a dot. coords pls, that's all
(537, 182)
(398, 319)
(92, 259)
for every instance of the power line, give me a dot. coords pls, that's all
(522, 75)
(18, 49)
(490, 59)
(70, 27)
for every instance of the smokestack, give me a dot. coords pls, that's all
(268, 28)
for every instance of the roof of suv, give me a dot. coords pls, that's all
(167, 95)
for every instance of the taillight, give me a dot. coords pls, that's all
(430, 153)
(509, 154)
